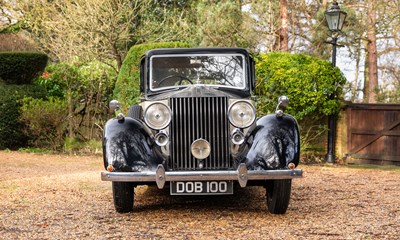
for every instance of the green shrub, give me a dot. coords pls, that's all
(127, 89)
(11, 128)
(308, 82)
(78, 90)
(21, 67)
(45, 121)
(52, 79)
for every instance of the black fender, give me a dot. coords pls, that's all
(275, 143)
(127, 147)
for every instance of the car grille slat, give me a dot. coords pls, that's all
(194, 118)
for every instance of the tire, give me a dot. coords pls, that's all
(135, 112)
(123, 196)
(278, 195)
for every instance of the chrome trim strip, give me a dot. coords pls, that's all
(201, 175)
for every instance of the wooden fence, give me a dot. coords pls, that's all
(370, 133)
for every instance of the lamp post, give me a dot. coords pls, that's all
(335, 19)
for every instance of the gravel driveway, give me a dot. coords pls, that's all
(62, 197)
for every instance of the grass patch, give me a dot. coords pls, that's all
(35, 150)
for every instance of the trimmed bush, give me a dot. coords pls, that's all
(127, 89)
(21, 67)
(308, 82)
(11, 128)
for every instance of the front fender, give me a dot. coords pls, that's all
(127, 147)
(276, 143)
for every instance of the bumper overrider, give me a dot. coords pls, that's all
(160, 176)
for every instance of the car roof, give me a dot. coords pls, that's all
(166, 51)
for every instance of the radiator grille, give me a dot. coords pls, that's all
(194, 118)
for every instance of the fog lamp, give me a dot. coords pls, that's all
(161, 139)
(237, 137)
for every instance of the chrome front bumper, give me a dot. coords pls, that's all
(160, 176)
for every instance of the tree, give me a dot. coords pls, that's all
(223, 25)
(372, 55)
(284, 35)
(264, 17)
(88, 29)
(8, 15)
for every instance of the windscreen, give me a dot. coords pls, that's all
(183, 70)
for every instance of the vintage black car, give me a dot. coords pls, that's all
(195, 131)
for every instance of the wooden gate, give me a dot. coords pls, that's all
(374, 133)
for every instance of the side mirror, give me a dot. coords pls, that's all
(114, 105)
(283, 101)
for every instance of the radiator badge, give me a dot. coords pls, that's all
(200, 148)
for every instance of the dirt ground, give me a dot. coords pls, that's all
(62, 197)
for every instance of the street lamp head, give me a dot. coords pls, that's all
(335, 17)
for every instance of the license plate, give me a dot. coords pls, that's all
(202, 188)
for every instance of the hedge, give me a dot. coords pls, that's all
(11, 128)
(308, 82)
(21, 67)
(127, 89)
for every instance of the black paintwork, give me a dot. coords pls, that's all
(128, 147)
(275, 143)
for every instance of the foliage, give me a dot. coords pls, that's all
(167, 21)
(21, 67)
(11, 134)
(45, 121)
(252, 24)
(12, 28)
(224, 25)
(388, 95)
(89, 29)
(197, 23)
(309, 83)
(83, 90)
(127, 86)
(312, 135)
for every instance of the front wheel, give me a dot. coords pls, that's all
(123, 196)
(278, 195)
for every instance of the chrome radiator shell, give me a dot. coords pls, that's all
(199, 118)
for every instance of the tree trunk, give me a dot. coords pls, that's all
(372, 52)
(284, 32)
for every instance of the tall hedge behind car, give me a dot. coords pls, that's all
(11, 128)
(308, 82)
(127, 85)
(21, 67)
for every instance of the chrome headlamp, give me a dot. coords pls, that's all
(242, 114)
(157, 116)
